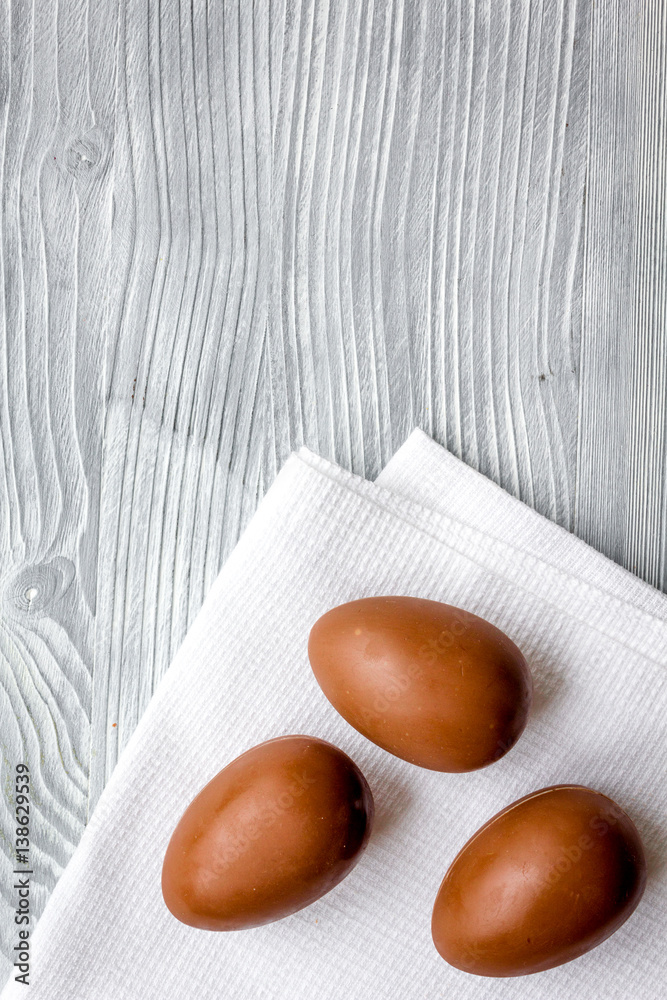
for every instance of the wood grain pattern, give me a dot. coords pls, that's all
(57, 84)
(646, 524)
(605, 424)
(228, 229)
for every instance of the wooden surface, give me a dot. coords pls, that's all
(230, 228)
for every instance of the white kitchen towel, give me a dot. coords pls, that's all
(596, 641)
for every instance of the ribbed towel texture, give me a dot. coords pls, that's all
(595, 638)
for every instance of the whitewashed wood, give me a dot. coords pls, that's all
(620, 498)
(646, 531)
(313, 221)
(57, 72)
(607, 346)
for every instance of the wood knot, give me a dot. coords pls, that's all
(87, 154)
(31, 590)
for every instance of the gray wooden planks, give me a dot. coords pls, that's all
(228, 229)
(646, 526)
(606, 425)
(57, 71)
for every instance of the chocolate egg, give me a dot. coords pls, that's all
(547, 879)
(431, 683)
(273, 831)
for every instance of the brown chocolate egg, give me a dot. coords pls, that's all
(273, 831)
(435, 685)
(547, 879)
